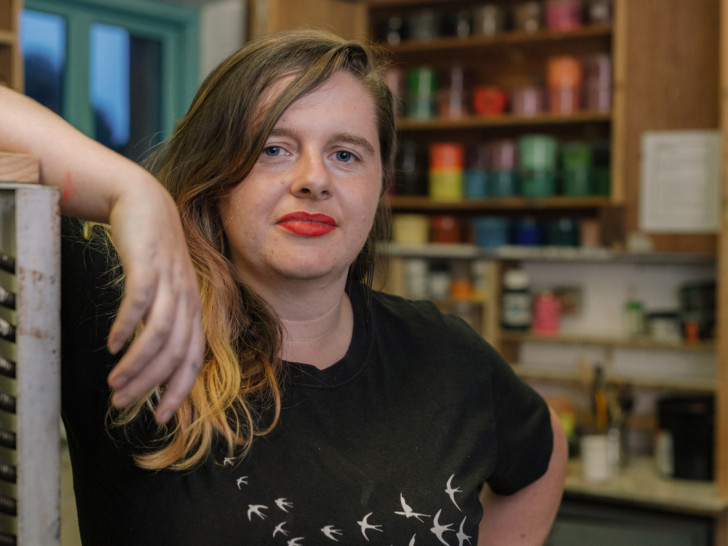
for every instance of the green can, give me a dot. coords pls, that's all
(576, 161)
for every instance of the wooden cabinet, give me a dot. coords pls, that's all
(11, 67)
(348, 19)
(665, 76)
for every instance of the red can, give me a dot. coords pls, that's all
(489, 100)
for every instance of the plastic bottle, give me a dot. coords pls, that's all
(516, 311)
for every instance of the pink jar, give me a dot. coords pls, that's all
(546, 311)
(563, 14)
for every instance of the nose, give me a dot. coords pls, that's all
(312, 179)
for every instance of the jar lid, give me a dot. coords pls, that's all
(516, 279)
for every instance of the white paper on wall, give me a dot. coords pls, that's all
(680, 181)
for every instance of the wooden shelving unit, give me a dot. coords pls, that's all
(650, 92)
(541, 121)
(611, 342)
(11, 66)
(456, 44)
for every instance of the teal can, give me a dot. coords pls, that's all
(503, 183)
(491, 231)
(538, 183)
(537, 155)
(476, 184)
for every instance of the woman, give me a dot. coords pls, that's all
(323, 411)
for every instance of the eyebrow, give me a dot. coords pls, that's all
(338, 137)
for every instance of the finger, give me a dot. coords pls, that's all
(155, 364)
(159, 322)
(184, 378)
(139, 294)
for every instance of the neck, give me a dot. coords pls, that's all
(317, 321)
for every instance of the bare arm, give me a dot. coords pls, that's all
(161, 285)
(525, 518)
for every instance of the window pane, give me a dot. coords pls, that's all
(126, 101)
(43, 39)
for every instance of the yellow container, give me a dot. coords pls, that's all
(446, 185)
(410, 229)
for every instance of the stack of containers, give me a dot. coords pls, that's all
(421, 92)
(537, 160)
(576, 163)
(476, 171)
(564, 80)
(503, 177)
(452, 98)
(446, 171)
(598, 82)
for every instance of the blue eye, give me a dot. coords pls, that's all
(343, 155)
(272, 151)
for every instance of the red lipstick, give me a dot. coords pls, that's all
(308, 225)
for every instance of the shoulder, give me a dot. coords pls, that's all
(419, 327)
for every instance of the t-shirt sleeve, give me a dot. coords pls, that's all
(523, 431)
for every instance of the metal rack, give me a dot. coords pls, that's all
(30, 443)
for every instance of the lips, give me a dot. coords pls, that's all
(308, 225)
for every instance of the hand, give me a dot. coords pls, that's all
(161, 293)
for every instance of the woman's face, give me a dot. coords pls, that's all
(306, 208)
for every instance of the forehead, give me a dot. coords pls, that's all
(342, 96)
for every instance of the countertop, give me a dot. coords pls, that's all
(640, 484)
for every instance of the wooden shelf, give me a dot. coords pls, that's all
(683, 385)
(454, 43)
(388, 4)
(541, 254)
(495, 204)
(613, 342)
(505, 120)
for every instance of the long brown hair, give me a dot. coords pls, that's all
(238, 395)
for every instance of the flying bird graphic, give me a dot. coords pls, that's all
(242, 480)
(279, 529)
(462, 537)
(365, 526)
(408, 512)
(228, 461)
(294, 541)
(438, 529)
(283, 504)
(256, 509)
(329, 531)
(451, 491)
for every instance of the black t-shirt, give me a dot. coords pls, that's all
(391, 445)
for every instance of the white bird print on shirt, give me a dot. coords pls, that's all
(242, 480)
(283, 504)
(279, 529)
(257, 509)
(294, 541)
(408, 512)
(329, 531)
(228, 461)
(365, 526)
(451, 491)
(462, 537)
(438, 529)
